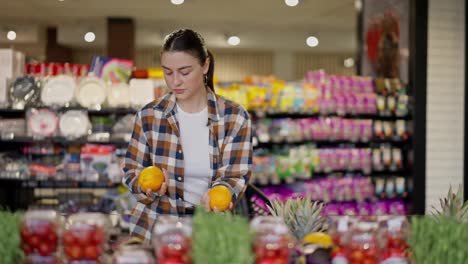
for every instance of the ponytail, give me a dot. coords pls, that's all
(210, 73)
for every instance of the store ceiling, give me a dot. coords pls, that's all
(259, 23)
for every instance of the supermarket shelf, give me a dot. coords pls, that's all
(337, 143)
(105, 111)
(58, 184)
(356, 116)
(62, 140)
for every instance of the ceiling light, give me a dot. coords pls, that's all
(177, 2)
(11, 35)
(291, 2)
(348, 63)
(61, 0)
(358, 5)
(312, 41)
(233, 40)
(89, 37)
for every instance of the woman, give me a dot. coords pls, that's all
(199, 139)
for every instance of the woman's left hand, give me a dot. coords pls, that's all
(205, 201)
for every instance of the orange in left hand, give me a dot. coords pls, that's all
(220, 197)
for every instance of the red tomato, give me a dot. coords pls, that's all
(368, 260)
(356, 255)
(171, 251)
(33, 241)
(92, 252)
(45, 249)
(74, 252)
(52, 238)
(97, 236)
(69, 238)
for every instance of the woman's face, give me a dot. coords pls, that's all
(183, 73)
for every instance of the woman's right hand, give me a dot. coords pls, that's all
(163, 189)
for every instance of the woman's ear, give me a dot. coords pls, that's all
(206, 66)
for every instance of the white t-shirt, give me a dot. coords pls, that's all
(194, 134)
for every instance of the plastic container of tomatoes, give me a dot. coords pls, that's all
(40, 236)
(172, 240)
(272, 243)
(395, 236)
(365, 243)
(85, 238)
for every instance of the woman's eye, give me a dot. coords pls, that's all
(168, 73)
(185, 73)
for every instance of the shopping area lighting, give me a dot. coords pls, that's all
(11, 35)
(89, 37)
(312, 41)
(233, 40)
(358, 5)
(177, 2)
(291, 2)
(348, 63)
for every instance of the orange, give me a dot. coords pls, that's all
(151, 178)
(220, 197)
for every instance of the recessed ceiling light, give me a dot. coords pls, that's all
(348, 63)
(61, 0)
(358, 5)
(177, 2)
(11, 35)
(89, 37)
(233, 40)
(312, 41)
(291, 2)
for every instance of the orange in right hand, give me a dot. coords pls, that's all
(151, 178)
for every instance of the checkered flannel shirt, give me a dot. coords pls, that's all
(156, 141)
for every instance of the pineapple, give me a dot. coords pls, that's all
(452, 206)
(301, 215)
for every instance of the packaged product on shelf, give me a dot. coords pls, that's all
(400, 187)
(397, 162)
(379, 184)
(142, 91)
(364, 245)
(40, 231)
(12, 127)
(101, 128)
(111, 70)
(24, 92)
(91, 92)
(401, 130)
(123, 128)
(4, 84)
(118, 95)
(365, 156)
(41, 122)
(85, 237)
(172, 239)
(272, 242)
(58, 89)
(74, 124)
(339, 230)
(391, 104)
(390, 187)
(71, 162)
(395, 232)
(402, 105)
(377, 159)
(95, 161)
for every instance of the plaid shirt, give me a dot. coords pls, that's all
(156, 141)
